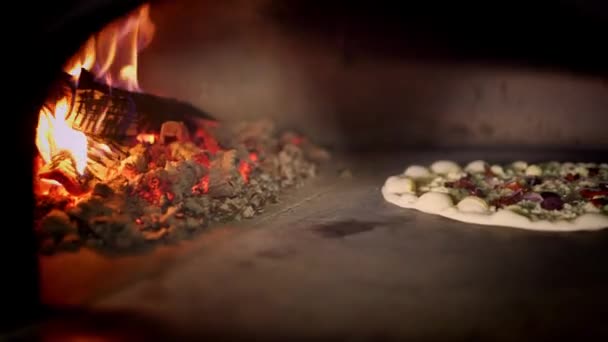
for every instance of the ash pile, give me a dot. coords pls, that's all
(165, 187)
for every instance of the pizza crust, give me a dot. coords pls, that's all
(398, 191)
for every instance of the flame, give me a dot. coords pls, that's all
(83, 60)
(54, 134)
(112, 53)
(147, 138)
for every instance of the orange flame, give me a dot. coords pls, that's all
(112, 53)
(147, 138)
(54, 134)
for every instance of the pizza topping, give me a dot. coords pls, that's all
(514, 185)
(466, 183)
(444, 167)
(593, 171)
(417, 171)
(593, 193)
(463, 183)
(532, 181)
(520, 166)
(473, 204)
(551, 201)
(548, 194)
(572, 177)
(498, 170)
(533, 197)
(477, 166)
(509, 200)
(534, 170)
(543, 191)
(600, 202)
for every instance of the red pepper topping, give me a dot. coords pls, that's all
(508, 200)
(514, 185)
(592, 193)
(600, 201)
(572, 177)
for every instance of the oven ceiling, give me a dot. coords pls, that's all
(566, 34)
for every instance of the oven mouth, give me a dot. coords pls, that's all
(356, 101)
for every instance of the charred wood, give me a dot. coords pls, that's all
(107, 112)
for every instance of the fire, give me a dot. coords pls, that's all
(202, 186)
(253, 157)
(112, 54)
(55, 134)
(245, 170)
(208, 140)
(147, 138)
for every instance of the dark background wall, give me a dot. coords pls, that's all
(365, 73)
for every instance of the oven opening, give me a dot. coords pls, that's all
(119, 168)
(227, 170)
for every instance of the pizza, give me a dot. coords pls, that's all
(552, 196)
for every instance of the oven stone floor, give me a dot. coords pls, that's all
(335, 262)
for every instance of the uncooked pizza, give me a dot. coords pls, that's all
(549, 196)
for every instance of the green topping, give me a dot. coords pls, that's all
(507, 189)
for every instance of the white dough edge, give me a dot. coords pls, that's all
(441, 204)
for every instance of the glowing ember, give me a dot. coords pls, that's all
(244, 170)
(202, 186)
(154, 189)
(297, 140)
(55, 134)
(145, 138)
(208, 141)
(253, 157)
(48, 187)
(170, 196)
(202, 159)
(112, 54)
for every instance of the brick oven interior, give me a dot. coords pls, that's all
(380, 86)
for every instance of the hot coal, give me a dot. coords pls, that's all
(167, 191)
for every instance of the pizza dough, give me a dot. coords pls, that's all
(549, 197)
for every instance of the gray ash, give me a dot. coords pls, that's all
(167, 192)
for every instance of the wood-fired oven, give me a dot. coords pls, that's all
(196, 169)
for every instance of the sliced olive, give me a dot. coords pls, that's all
(548, 194)
(552, 203)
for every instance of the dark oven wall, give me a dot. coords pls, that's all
(46, 34)
(374, 75)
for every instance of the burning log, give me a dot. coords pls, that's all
(173, 131)
(62, 169)
(104, 159)
(112, 113)
(103, 163)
